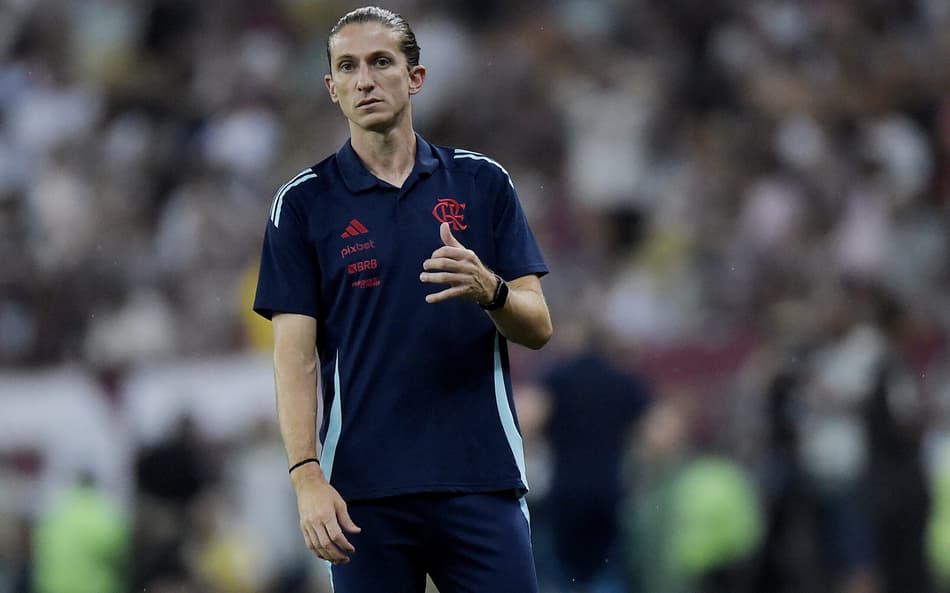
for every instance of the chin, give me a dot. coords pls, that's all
(377, 122)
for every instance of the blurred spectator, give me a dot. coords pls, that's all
(844, 418)
(860, 433)
(256, 470)
(173, 471)
(170, 477)
(895, 418)
(81, 544)
(647, 519)
(787, 551)
(717, 526)
(220, 552)
(693, 521)
(591, 410)
(834, 444)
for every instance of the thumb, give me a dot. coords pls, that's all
(447, 237)
(343, 516)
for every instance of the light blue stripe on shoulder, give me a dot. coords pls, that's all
(507, 416)
(273, 206)
(335, 426)
(279, 198)
(468, 154)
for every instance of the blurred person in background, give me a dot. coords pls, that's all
(422, 465)
(658, 457)
(692, 521)
(592, 407)
(81, 543)
(255, 468)
(171, 476)
(787, 547)
(895, 416)
(844, 427)
(841, 369)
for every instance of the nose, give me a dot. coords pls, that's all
(364, 81)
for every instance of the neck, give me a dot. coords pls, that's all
(389, 155)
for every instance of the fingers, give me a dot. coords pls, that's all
(346, 522)
(328, 542)
(322, 513)
(339, 547)
(310, 536)
(443, 278)
(449, 293)
(325, 536)
(447, 237)
(444, 264)
(454, 253)
(319, 542)
(454, 265)
(338, 540)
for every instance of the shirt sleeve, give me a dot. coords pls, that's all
(517, 252)
(287, 282)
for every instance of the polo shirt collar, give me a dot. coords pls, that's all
(357, 177)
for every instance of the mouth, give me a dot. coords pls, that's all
(367, 103)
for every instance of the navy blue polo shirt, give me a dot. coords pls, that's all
(417, 396)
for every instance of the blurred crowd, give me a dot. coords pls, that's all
(744, 205)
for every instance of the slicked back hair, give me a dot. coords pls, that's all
(374, 14)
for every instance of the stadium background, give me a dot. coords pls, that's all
(744, 204)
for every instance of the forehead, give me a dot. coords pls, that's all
(364, 38)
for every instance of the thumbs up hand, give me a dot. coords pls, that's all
(460, 268)
(445, 233)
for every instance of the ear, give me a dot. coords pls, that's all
(331, 87)
(417, 77)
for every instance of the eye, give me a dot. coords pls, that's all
(345, 66)
(383, 61)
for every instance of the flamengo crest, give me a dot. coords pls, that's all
(450, 210)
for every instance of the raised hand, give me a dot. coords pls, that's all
(460, 268)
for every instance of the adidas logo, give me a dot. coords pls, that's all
(353, 229)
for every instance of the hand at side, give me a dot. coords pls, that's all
(323, 516)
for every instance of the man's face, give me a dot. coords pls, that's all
(369, 77)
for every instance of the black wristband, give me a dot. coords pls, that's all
(303, 462)
(500, 298)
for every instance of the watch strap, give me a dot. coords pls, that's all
(500, 297)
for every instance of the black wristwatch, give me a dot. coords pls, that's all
(501, 296)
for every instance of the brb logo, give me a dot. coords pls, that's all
(450, 210)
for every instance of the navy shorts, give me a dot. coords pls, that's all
(467, 543)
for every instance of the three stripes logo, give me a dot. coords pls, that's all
(353, 229)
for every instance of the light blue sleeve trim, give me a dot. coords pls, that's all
(505, 414)
(335, 426)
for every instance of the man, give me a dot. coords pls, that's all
(594, 406)
(409, 266)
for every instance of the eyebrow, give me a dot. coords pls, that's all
(375, 54)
